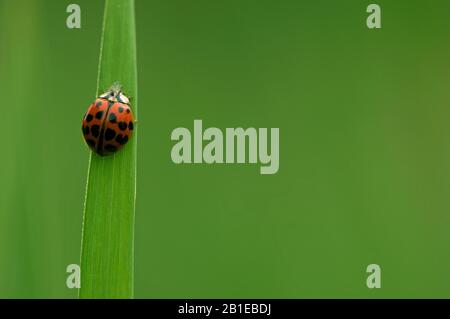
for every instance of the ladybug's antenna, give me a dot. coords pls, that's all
(116, 88)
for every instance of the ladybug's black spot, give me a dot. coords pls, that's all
(120, 109)
(99, 115)
(110, 148)
(86, 130)
(95, 130)
(90, 142)
(112, 118)
(128, 110)
(99, 103)
(123, 126)
(109, 134)
(89, 118)
(131, 125)
(121, 139)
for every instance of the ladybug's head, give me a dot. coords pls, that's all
(115, 94)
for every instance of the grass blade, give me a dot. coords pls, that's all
(108, 225)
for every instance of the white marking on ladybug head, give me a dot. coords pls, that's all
(105, 95)
(110, 96)
(114, 94)
(122, 98)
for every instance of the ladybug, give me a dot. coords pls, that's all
(108, 123)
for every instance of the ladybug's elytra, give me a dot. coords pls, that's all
(109, 122)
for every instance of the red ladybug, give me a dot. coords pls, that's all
(109, 122)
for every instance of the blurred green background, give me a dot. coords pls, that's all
(364, 162)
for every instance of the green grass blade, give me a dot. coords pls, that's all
(108, 225)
